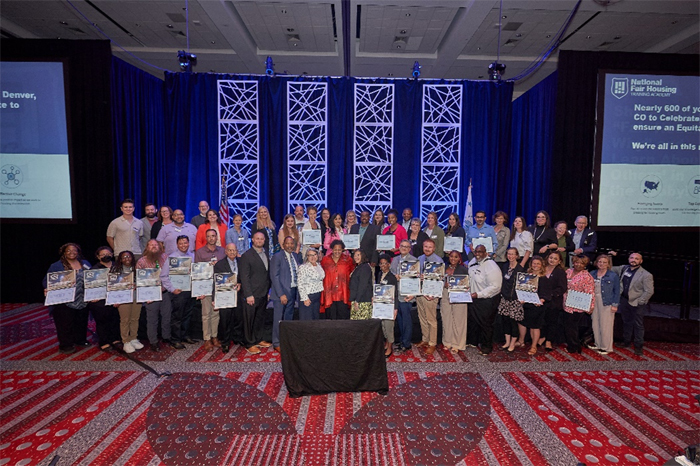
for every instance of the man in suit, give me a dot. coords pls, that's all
(637, 286)
(230, 322)
(254, 276)
(585, 239)
(283, 275)
(368, 237)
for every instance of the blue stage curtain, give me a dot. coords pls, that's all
(138, 135)
(528, 182)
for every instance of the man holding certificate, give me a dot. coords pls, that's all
(427, 305)
(485, 281)
(178, 293)
(210, 253)
(154, 258)
(482, 233)
(284, 275)
(403, 317)
(230, 324)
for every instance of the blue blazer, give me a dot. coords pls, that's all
(281, 275)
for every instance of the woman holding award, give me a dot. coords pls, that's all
(129, 313)
(396, 229)
(385, 277)
(454, 315)
(581, 282)
(289, 228)
(310, 282)
(106, 317)
(500, 220)
(361, 287)
(338, 266)
(213, 222)
(71, 319)
(264, 224)
(311, 224)
(416, 236)
(455, 230)
(607, 298)
(509, 308)
(533, 314)
(333, 233)
(165, 215)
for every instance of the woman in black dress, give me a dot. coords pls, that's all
(510, 309)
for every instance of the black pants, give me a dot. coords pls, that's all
(338, 310)
(181, 313)
(254, 321)
(510, 326)
(71, 325)
(552, 327)
(230, 326)
(632, 322)
(482, 313)
(571, 323)
(106, 322)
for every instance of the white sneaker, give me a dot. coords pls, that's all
(593, 347)
(129, 348)
(136, 344)
(602, 351)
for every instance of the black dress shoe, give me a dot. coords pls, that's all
(66, 349)
(639, 352)
(176, 345)
(155, 348)
(189, 341)
(83, 343)
(224, 349)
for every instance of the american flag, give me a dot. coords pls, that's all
(223, 204)
(468, 212)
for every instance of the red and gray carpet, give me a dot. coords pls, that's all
(93, 407)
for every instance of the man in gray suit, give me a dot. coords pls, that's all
(284, 268)
(637, 286)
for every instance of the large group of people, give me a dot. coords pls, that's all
(326, 281)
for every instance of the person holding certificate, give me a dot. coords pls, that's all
(311, 277)
(577, 300)
(210, 253)
(533, 314)
(607, 299)
(129, 313)
(385, 277)
(361, 287)
(179, 294)
(311, 224)
(106, 317)
(427, 305)
(522, 240)
(213, 222)
(482, 233)
(230, 322)
(71, 319)
(335, 232)
(335, 299)
(416, 237)
(454, 315)
(289, 229)
(154, 258)
(509, 308)
(500, 220)
(395, 229)
(435, 233)
(485, 281)
(403, 318)
(454, 230)
(238, 235)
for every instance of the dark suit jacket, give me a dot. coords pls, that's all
(362, 284)
(369, 241)
(589, 242)
(223, 267)
(254, 278)
(280, 275)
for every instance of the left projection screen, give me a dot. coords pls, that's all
(35, 181)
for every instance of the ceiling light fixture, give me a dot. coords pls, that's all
(269, 67)
(416, 70)
(187, 60)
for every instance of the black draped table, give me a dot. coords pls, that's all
(324, 356)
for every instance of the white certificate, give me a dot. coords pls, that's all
(65, 295)
(310, 237)
(432, 288)
(579, 300)
(181, 282)
(351, 241)
(453, 243)
(528, 297)
(409, 286)
(460, 297)
(202, 287)
(95, 294)
(146, 294)
(226, 299)
(383, 311)
(486, 241)
(119, 297)
(386, 242)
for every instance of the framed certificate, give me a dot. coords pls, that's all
(202, 287)
(226, 299)
(60, 287)
(226, 295)
(383, 302)
(351, 241)
(409, 286)
(179, 265)
(486, 241)
(579, 300)
(457, 283)
(120, 288)
(181, 282)
(202, 271)
(146, 294)
(526, 288)
(453, 243)
(63, 295)
(432, 288)
(148, 285)
(310, 237)
(386, 242)
(95, 284)
(433, 270)
(457, 297)
(119, 297)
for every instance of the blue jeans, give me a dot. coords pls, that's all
(310, 312)
(282, 312)
(404, 323)
(632, 322)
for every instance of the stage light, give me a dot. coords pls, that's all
(269, 67)
(496, 70)
(416, 70)
(187, 60)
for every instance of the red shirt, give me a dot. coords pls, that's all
(399, 234)
(201, 239)
(336, 284)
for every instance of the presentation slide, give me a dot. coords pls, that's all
(34, 164)
(650, 151)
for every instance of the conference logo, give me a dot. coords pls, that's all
(10, 176)
(620, 87)
(651, 186)
(694, 187)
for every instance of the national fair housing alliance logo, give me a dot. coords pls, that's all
(620, 87)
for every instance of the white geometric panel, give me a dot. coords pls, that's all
(373, 147)
(371, 208)
(239, 146)
(441, 139)
(307, 144)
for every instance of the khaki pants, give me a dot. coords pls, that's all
(210, 319)
(129, 314)
(427, 314)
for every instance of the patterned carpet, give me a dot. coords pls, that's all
(93, 407)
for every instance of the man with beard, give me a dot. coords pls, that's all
(637, 288)
(151, 216)
(153, 258)
(254, 267)
(407, 217)
(211, 253)
(201, 218)
(181, 301)
(167, 236)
